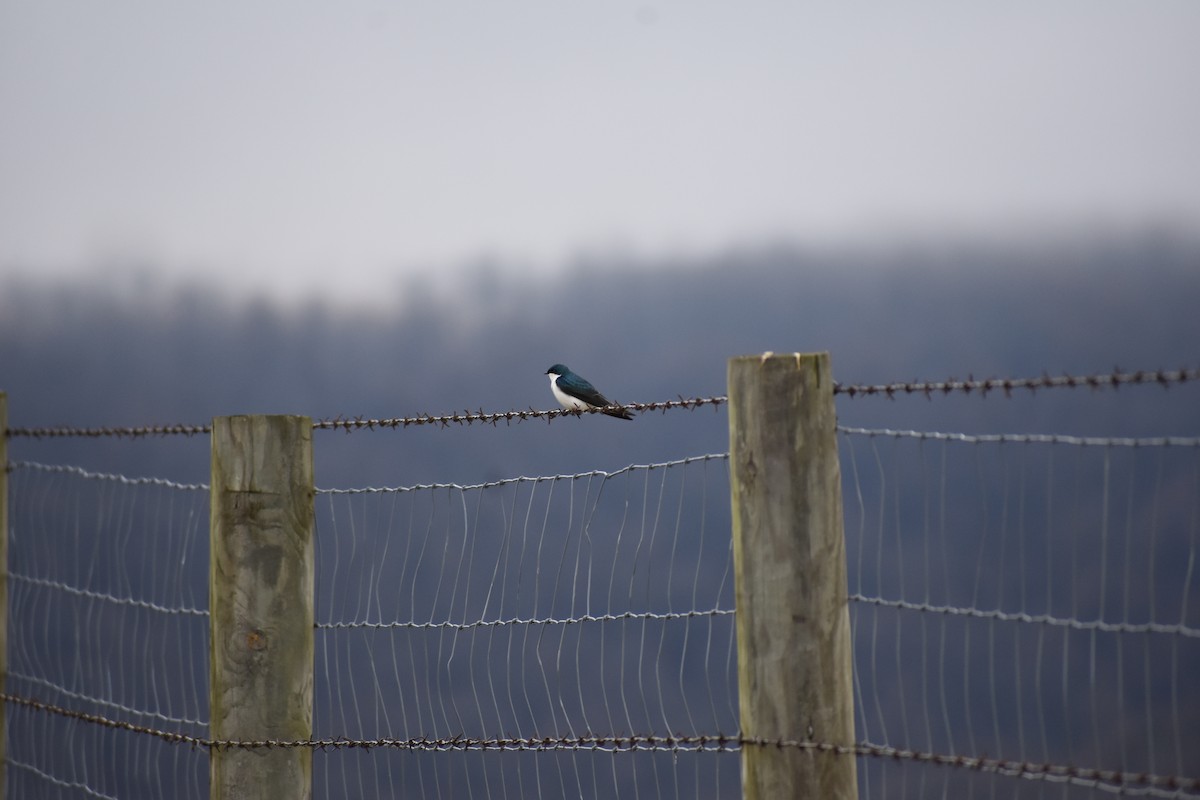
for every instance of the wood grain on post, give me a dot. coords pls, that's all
(261, 604)
(793, 622)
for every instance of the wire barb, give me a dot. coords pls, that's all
(507, 417)
(136, 432)
(1113, 380)
(616, 743)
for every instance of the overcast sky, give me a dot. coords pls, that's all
(339, 146)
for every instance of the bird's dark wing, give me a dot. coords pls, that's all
(578, 387)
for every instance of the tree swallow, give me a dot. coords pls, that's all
(575, 393)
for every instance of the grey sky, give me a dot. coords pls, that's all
(352, 143)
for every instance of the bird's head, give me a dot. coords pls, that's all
(557, 369)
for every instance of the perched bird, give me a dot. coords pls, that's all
(573, 392)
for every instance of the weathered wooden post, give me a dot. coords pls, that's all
(261, 604)
(3, 582)
(793, 622)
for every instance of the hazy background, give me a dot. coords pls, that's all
(308, 150)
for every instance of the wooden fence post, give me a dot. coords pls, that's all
(793, 621)
(3, 583)
(261, 604)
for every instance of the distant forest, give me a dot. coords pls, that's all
(131, 351)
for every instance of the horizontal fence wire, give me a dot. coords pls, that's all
(1034, 619)
(1026, 438)
(625, 616)
(509, 417)
(983, 387)
(132, 602)
(1032, 597)
(66, 469)
(1169, 785)
(1007, 386)
(349, 424)
(589, 474)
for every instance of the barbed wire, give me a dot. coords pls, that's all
(119, 432)
(509, 417)
(1113, 380)
(715, 742)
(348, 424)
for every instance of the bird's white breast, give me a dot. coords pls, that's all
(564, 399)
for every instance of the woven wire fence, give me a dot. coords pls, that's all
(1024, 610)
(553, 608)
(108, 615)
(1031, 598)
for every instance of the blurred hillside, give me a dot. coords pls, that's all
(136, 352)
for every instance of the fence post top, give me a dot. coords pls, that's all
(234, 419)
(773, 361)
(771, 355)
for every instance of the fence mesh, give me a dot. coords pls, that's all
(1027, 599)
(108, 602)
(553, 607)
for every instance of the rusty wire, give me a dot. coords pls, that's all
(983, 387)
(1110, 380)
(716, 742)
(509, 417)
(135, 432)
